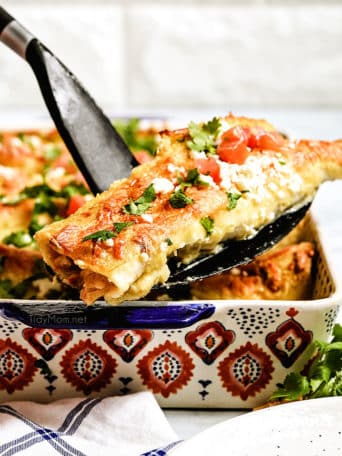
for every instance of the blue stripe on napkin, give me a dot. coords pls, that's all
(54, 437)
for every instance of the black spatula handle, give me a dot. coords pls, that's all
(5, 19)
(13, 34)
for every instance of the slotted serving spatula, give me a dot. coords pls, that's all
(102, 156)
(100, 153)
(234, 253)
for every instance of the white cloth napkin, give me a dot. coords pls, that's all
(121, 426)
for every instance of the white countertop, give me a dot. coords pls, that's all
(327, 209)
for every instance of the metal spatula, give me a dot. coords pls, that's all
(100, 153)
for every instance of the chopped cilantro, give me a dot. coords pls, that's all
(73, 189)
(168, 241)
(322, 378)
(19, 239)
(193, 178)
(232, 200)
(143, 203)
(136, 140)
(179, 199)
(203, 136)
(282, 162)
(119, 226)
(103, 235)
(52, 152)
(208, 224)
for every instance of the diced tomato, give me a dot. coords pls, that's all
(236, 133)
(209, 166)
(233, 148)
(76, 201)
(261, 139)
(142, 156)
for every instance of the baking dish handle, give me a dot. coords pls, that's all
(75, 315)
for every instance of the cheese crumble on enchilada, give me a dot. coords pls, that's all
(222, 179)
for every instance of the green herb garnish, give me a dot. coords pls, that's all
(168, 241)
(193, 178)
(119, 226)
(19, 239)
(208, 225)
(103, 235)
(52, 152)
(203, 136)
(136, 141)
(72, 189)
(179, 199)
(233, 198)
(143, 203)
(324, 376)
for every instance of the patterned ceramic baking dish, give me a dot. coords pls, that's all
(224, 354)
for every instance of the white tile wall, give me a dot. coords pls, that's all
(180, 54)
(87, 38)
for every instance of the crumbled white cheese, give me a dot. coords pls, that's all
(109, 242)
(197, 155)
(175, 169)
(35, 141)
(272, 186)
(7, 173)
(56, 173)
(144, 256)
(164, 246)
(16, 142)
(208, 179)
(147, 218)
(162, 185)
(255, 175)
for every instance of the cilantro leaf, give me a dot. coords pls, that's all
(203, 136)
(19, 239)
(136, 140)
(179, 199)
(143, 203)
(103, 235)
(192, 178)
(322, 379)
(168, 241)
(119, 226)
(74, 188)
(295, 387)
(52, 152)
(233, 198)
(208, 225)
(213, 126)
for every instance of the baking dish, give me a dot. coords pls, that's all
(221, 354)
